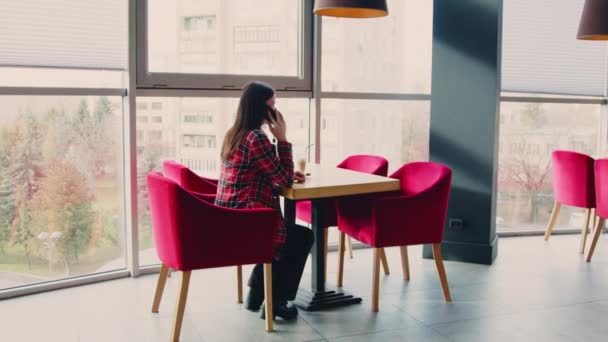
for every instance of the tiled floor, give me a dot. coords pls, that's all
(535, 291)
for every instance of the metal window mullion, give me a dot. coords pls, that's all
(228, 93)
(564, 100)
(317, 84)
(62, 283)
(130, 149)
(59, 91)
(375, 96)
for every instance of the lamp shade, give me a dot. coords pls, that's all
(594, 21)
(351, 8)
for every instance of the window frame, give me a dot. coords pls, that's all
(168, 80)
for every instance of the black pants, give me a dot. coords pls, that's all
(286, 272)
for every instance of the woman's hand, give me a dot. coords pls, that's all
(277, 126)
(298, 177)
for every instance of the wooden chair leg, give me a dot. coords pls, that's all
(384, 262)
(552, 220)
(596, 235)
(181, 305)
(326, 233)
(585, 230)
(169, 272)
(441, 270)
(376, 280)
(340, 259)
(268, 296)
(405, 263)
(239, 284)
(349, 241)
(160, 287)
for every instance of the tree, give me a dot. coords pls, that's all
(67, 200)
(148, 161)
(7, 187)
(58, 135)
(25, 171)
(7, 204)
(529, 173)
(102, 143)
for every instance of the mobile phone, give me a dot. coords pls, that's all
(271, 112)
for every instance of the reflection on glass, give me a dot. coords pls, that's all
(529, 132)
(191, 132)
(61, 202)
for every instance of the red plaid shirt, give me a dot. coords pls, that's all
(251, 175)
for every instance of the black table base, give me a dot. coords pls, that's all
(320, 296)
(311, 301)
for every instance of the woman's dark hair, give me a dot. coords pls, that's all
(250, 115)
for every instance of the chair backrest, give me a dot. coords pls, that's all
(573, 179)
(601, 187)
(425, 188)
(187, 179)
(419, 176)
(375, 165)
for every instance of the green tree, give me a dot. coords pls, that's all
(148, 161)
(7, 204)
(25, 171)
(102, 143)
(67, 200)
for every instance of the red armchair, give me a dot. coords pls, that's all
(192, 234)
(601, 201)
(573, 185)
(415, 215)
(363, 163)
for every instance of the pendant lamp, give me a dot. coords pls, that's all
(351, 8)
(594, 21)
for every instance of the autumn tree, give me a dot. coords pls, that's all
(67, 200)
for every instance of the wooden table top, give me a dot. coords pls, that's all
(330, 181)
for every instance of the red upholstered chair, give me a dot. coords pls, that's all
(412, 216)
(192, 234)
(375, 165)
(573, 185)
(601, 201)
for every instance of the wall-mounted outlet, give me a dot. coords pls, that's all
(455, 224)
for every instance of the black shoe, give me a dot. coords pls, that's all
(254, 300)
(283, 310)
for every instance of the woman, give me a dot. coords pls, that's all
(250, 174)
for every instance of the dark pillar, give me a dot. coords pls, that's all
(464, 121)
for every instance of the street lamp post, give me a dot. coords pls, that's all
(49, 241)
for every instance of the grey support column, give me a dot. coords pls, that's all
(465, 105)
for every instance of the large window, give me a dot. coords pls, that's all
(529, 132)
(62, 203)
(61, 189)
(214, 44)
(384, 55)
(197, 143)
(396, 130)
